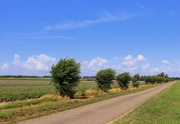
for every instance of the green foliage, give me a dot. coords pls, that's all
(157, 79)
(123, 80)
(65, 76)
(135, 79)
(150, 80)
(136, 84)
(104, 79)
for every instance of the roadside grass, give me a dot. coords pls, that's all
(27, 103)
(22, 110)
(161, 109)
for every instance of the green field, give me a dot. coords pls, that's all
(161, 109)
(24, 89)
(11, 90)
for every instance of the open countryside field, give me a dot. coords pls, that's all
(24, 99)
(12, 90)
(161, 109)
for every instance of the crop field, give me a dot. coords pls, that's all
(11, 90)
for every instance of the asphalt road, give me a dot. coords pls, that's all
(101, 112)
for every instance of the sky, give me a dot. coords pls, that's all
(136, 36)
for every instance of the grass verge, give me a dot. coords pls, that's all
(161, 109)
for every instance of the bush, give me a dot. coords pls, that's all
(136, 84)
(104, 79)
(150, 79)
(65, 76)
(123, 80)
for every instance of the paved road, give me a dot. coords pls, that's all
(101, 112)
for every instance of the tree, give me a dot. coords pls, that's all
(135, 79)
(104, 79)
(123, 80)
(65, 76)
(162, 74)
(147, 79)
(150, 79)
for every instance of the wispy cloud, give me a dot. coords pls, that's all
(46, 37)
(71, 24)
(40, 35)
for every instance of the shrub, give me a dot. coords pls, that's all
(150, 79)
(136, 84)
(123, 80)
(104, 79)
(65, 76)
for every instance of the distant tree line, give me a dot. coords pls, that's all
(22, 76)
(88, 77)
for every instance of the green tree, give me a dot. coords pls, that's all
(150, 79)
(147, 80)
(65, 76)
(123, 80)
(104, 79)
(135, 79)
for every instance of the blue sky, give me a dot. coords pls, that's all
(139, 36)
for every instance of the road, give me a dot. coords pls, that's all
(101, 112)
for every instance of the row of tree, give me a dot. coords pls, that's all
(65, 77)
(23, 76)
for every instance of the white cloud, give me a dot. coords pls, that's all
(4, 66)
(71, 24)
(59, 37)
(128, 58)
(41, 62)
(140, 58)
(91, 67)
(146, 66)
(17, 60)
(116, 58)
(97, 63)
(128, 64)
(166, 62)
(33, 64)
(155, 70)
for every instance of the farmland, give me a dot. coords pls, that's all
(22, 99)
(12, 90)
